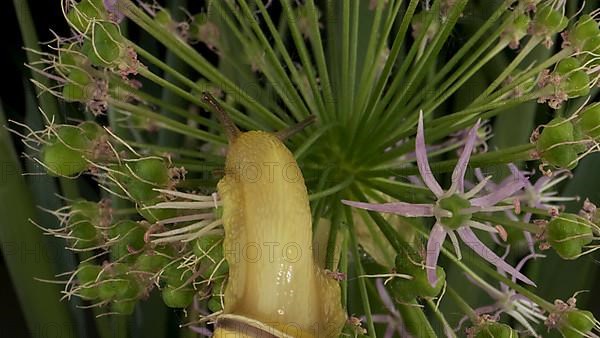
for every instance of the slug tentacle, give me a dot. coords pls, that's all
(231, 130)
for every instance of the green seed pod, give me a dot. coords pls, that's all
(64, 153)
(128, 235)
(548, 21)
(495, 330)
(82, 222)
(153, 170)
(151, 262)
(209, 245)
(589, 121)
(585, 28)
(118, 286)
(177, 297)
(76, 89)
(575, 80)
(123, 307)
(210, 249)
(87, 274)
(555, 144)
(591, 45)
(577, 84)
(149, 173)
(84, 235)
(176, 277)
(568, 234)
(105, 46)
(91, 130)
(84, 12)
(418, 286)
(576, 324)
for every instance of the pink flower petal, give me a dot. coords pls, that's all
(423, 162)
(434, 245)
(471, 240)
(458, 175)
(502, 192)
(400, 208)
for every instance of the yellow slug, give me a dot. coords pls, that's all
(275, 288)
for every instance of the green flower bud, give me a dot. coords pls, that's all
(76, 89)
(84, 12)
(548, 21)
(151, 262)
(87, 274)
(576, 323)
(128, 235)
(63, 155)
(149, 173)
(105, 45)
(84, 218)
(568, 234)
(210, 249)
(585, 28)
(591, 45)
(418, 286)
(575, 80)
(495, 330)
(119, 287)
(555, 144)
(175, 276)
(208, 246)
(589, 121)
(177, 297)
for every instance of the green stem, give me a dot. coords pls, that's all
(462, 304)
(360, 272)
(534, 229)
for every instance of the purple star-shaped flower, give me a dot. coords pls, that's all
(453, 208)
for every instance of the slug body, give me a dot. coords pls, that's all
(273, 278)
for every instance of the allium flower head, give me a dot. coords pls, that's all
(453, 208)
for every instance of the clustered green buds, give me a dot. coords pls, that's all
(568, 234)
(418, 285)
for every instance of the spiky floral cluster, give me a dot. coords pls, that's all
(272, 70)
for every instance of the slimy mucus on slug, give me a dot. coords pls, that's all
(280, 291)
